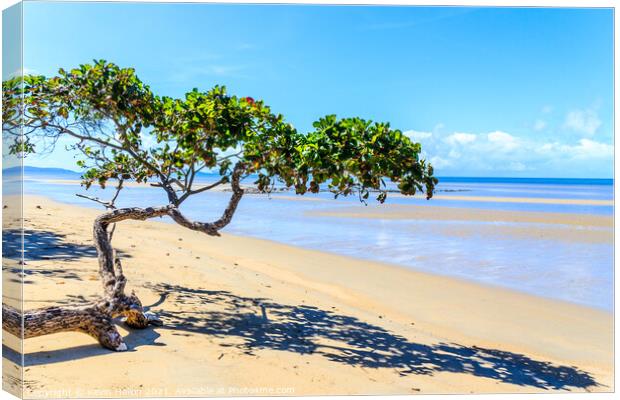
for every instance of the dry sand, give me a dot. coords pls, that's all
(247, 316)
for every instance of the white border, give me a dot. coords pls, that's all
(498, 3)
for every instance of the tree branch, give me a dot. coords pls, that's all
(200, 190)
(212, 228)
(230, 156)
(69, 132)
(106, 204)
(172, 197)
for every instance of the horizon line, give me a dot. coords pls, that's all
(438, 177)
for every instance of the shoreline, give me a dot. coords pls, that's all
(397, 211)
(582, 228)
(415, 311)
(289, 195)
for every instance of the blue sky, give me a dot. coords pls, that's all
(487, 91)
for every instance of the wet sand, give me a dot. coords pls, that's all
(438, 213)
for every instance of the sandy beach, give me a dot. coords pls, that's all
(247, 316)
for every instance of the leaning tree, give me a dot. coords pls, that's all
(124, 132)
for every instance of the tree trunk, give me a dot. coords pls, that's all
(96, 319)
(89, 319)
(93, 319)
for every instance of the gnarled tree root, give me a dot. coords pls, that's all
(95, 320)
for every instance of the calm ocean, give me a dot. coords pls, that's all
(578, 272)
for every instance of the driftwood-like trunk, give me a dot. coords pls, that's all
(96, 319)
(89, 319)
(93, 319)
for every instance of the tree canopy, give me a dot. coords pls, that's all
(123, 131)
(126, 132)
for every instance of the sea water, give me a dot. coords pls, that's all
(578, 272)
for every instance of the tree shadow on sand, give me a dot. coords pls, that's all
(264, 324)
(40, 246)
(43, 245)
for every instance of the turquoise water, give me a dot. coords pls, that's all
(577, 272)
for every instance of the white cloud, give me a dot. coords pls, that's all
(502, 141)
(417, 136)
(439, 162)
(460, 138)
(500, 153)
(587, 149)
(546, 148)
(584, 149)
(583, 121)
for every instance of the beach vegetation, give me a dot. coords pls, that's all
(123, 132)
